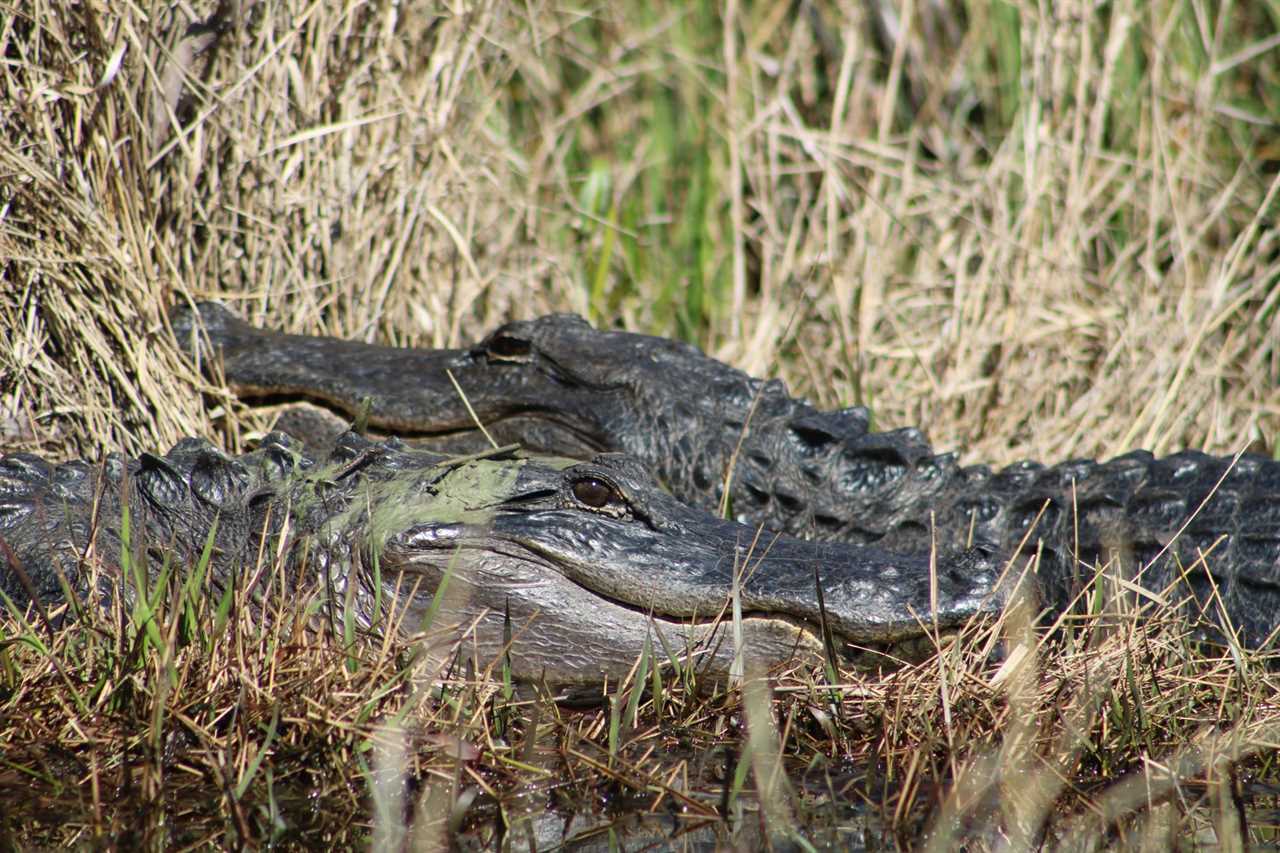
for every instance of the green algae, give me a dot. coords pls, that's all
(452, 494)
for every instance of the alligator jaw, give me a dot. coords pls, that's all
(534, 402)
(584, 591)
(564, 634)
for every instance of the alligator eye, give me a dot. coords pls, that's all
(508, 347)
(594, 492)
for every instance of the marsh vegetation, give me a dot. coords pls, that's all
(1035, 231)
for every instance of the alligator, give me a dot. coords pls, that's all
(1195, 526)
(566, 567)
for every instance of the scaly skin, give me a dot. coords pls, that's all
(558, 386)
(588, 558)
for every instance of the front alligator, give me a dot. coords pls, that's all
(558, 386)
(588, 559)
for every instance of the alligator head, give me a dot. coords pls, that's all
(554, 385)
(589, 559)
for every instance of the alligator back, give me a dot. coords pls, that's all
(57, 521)
(1187, 524)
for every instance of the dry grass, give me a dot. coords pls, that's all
(1035, 231)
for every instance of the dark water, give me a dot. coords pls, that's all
(301, 806)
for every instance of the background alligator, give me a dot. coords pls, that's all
(587, 558)
(1188, 523)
